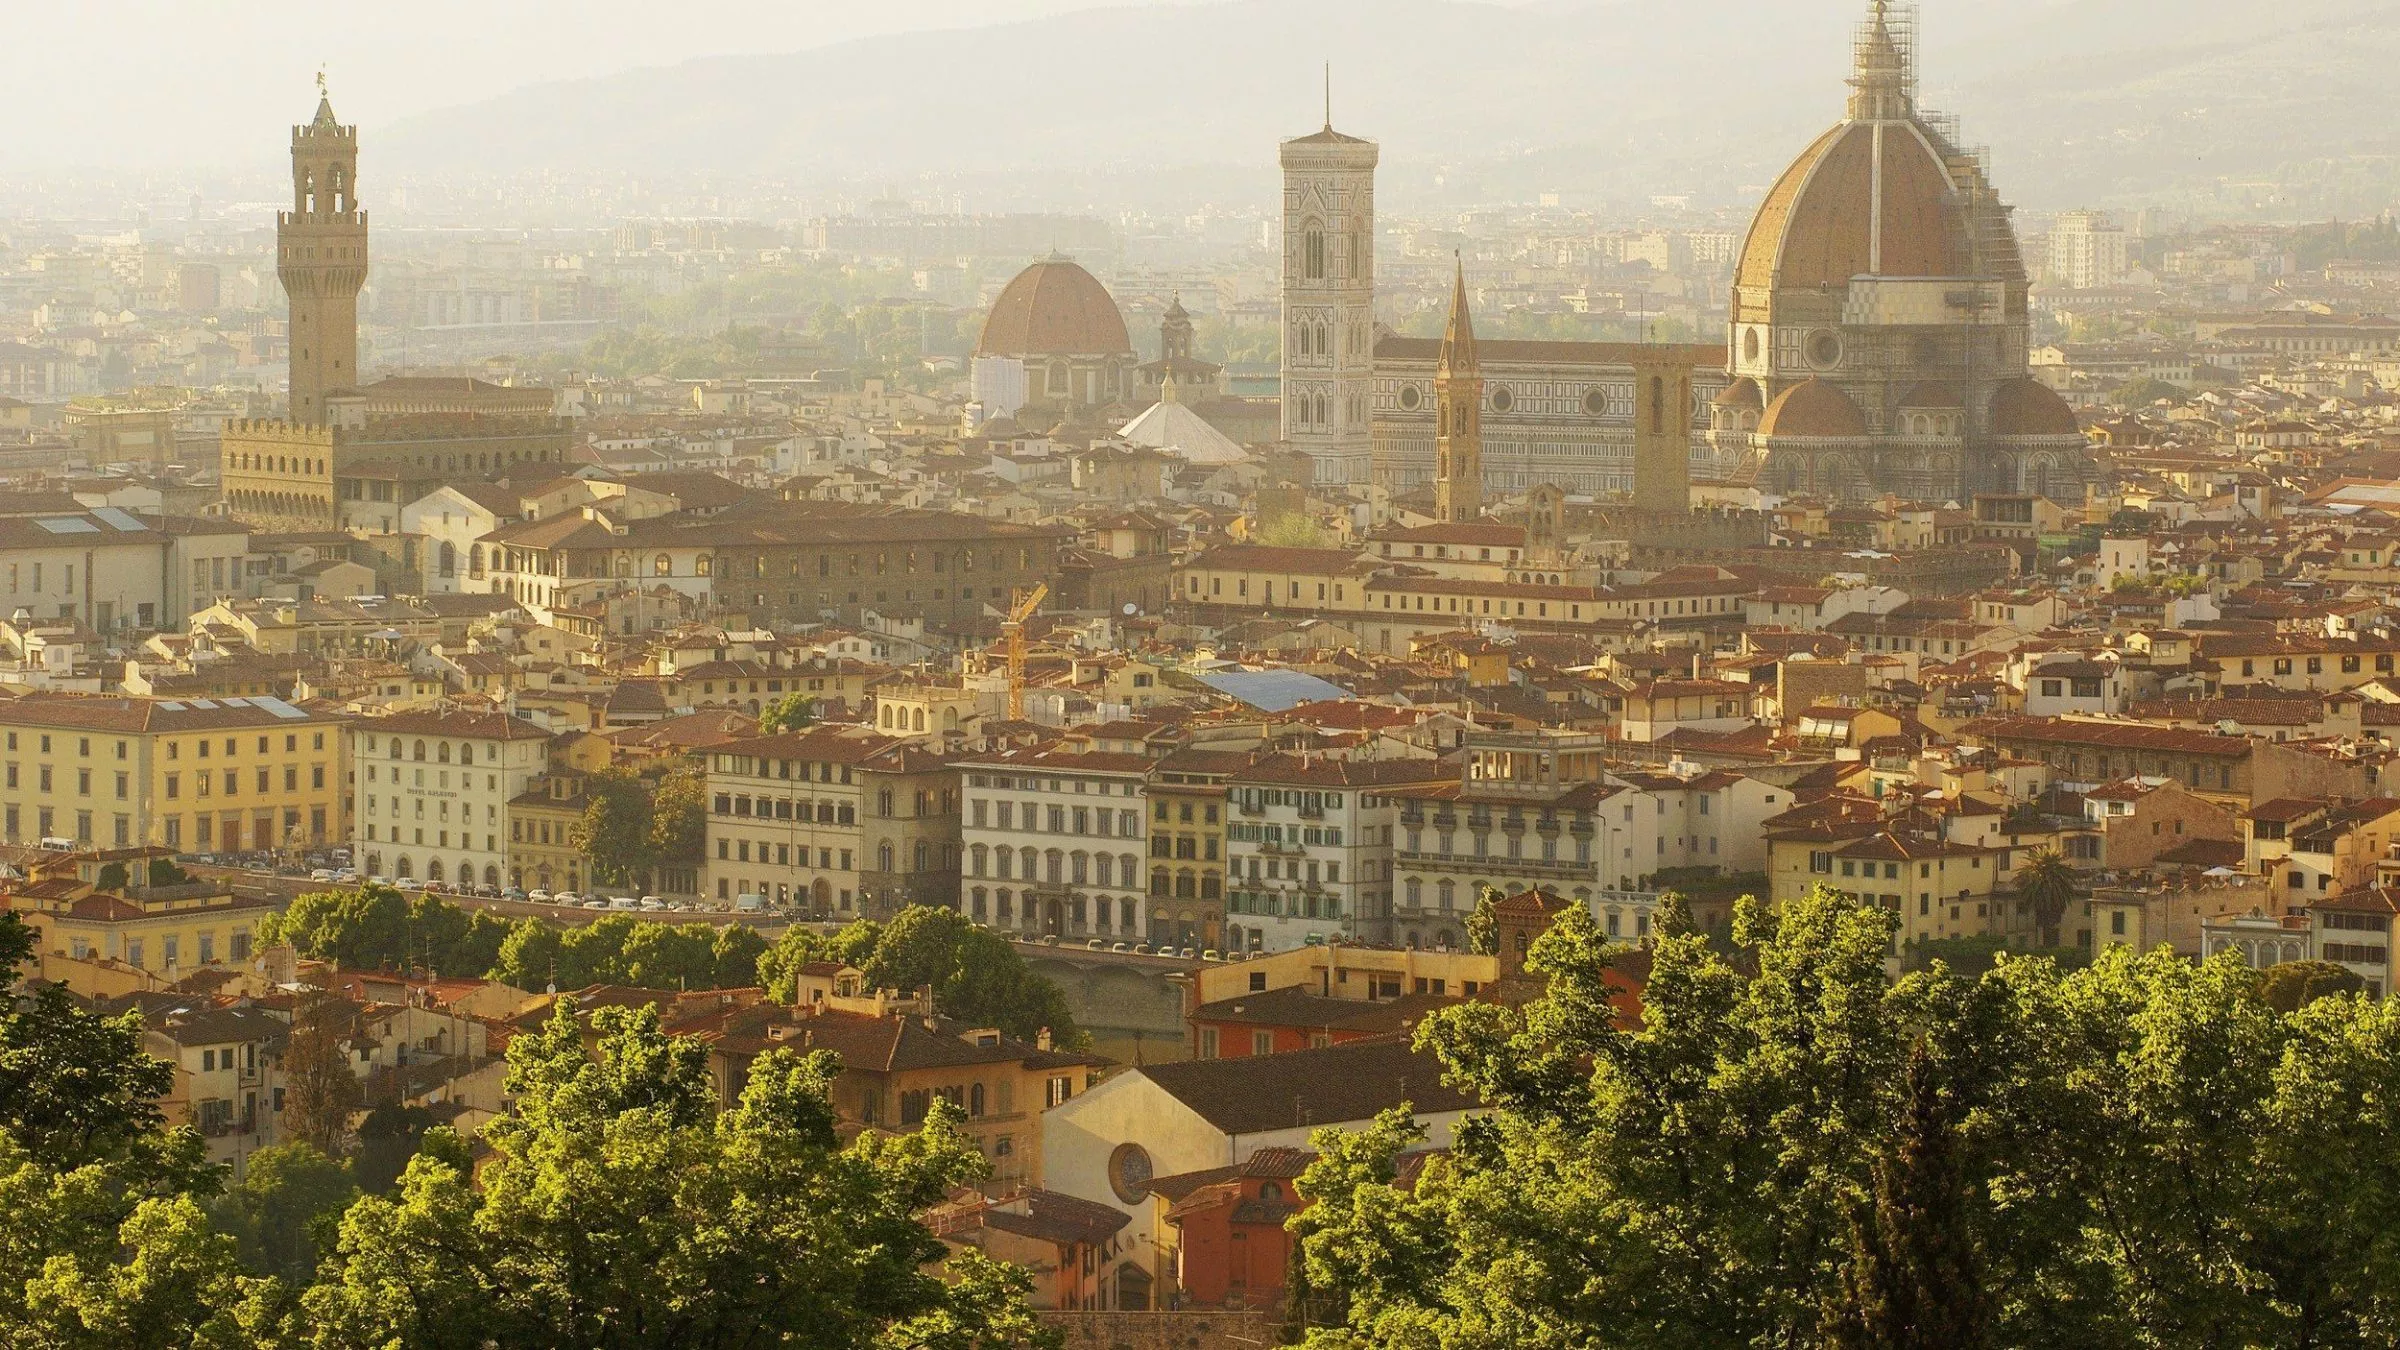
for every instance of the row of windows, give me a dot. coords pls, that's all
(1095, 786)
(417, 750)
(2282, 665)
(824, 813)
(202, 780)
(441, 839)
(1183, 846)
(788, 770)
(466, 781)
(999, 813)
(1076, 913)
(1056, 866)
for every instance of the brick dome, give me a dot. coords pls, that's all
(1742, 394)
(2028, 407)
(1812, 408)
(1857, 204)
(1054, 308)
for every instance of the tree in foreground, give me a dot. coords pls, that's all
(1483, 922)
(320, 1091)
(2141, 1153)
(283, 1210)
(620, 1209)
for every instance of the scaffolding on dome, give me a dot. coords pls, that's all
(1884, 60)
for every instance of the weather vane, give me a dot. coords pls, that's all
(321, 90)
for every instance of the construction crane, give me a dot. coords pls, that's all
(1013, 629)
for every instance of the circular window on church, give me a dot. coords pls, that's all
(1750, 344)
(1410, 399)
(1595, 402)
(1129, 1173)
(1502, 400)
(1824, 349)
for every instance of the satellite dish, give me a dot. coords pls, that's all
(1131, 609)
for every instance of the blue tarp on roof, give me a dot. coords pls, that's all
(1272, 690)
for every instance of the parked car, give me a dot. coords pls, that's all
(379, 881)
(623, 902)
(511, 893)
(595, 904)
(567, 898)
(322, 874)
(538, 896)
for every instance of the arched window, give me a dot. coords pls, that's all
(975, 1100)
(701, 565)
(977, 857)
(662, 566)
(1312, 252)
(924, 856)
(420, 752)
(883, 857)
(449, 562)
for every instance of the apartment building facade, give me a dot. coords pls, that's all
(433, 790)
(1054, 843)
(203, 775)
(840, 821)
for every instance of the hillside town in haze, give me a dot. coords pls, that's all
(1260, 627)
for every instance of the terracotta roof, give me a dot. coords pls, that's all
(1052, 308)
(1331, 1086)
(1812, 408)
(473, 725)
(1850, 192)
(2027, 407)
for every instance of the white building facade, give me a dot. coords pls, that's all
(433, 790)
(1052, 843)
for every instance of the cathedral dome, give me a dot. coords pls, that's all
(1054, 308)
(1812, 408)
(1857, 203)
(2028, 407)
(1742, 396)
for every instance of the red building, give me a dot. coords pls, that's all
(1231, 1247)
(1278, 1021)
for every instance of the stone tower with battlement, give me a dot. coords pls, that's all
(1329, 303)
(1662, 431)
(321, 258)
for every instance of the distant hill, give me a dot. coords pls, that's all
(2081, 100)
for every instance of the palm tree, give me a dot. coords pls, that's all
(2051, 884)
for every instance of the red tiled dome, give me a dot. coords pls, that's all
(1812, 408)
(2028, 407)
(1054, 308)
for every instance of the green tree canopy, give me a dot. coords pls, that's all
(2141, 1153)
(789, 713)
(1483, 922)
(619, 1209)
(614, 832)
(283, 1210)
(678, 816)
(976, 975)
(2293, 985)
(2050, 884)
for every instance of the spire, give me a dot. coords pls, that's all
(1883, 80)
(324, 116)
(1458, 340)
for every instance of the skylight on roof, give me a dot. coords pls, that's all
(67, 525)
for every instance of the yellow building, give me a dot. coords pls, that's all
(169, 931)
(541, 829)
(205, 776)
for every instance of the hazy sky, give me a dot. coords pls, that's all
(165, 81)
